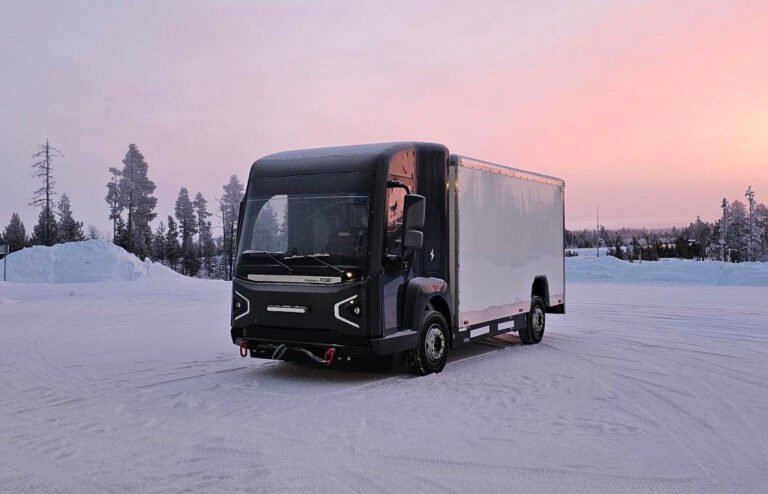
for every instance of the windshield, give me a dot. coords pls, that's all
(297, 229)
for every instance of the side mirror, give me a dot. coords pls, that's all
(415, 209)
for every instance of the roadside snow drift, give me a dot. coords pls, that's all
(78, 262)
(586, 269)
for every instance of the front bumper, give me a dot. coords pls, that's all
(319, 341)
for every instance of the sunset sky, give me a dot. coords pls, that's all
(651, 110)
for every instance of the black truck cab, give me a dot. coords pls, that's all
(343, 248)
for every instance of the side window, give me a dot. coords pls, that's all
(401, 169)
(394, 237)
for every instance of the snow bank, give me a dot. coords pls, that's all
(78, 262)
(671, 271)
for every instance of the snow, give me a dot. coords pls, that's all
(136, 387)
(588, 269)
(77, 262)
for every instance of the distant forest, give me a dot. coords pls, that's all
(740, 234)
(185, 242)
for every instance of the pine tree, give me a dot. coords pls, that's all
(205, 246)
(754, 233)
(209, 254)
(121, 234)
(135, 190)
(45, 231)
(69, 230)
(93, 233)
(159, 251)
(185, 214)
(229, 204)
(203, 226)
(15, 235)
(737, 231)
(761, 212)
(172, 247)
(113, 199)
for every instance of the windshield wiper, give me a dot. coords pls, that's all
(316, 257)
(271, 256)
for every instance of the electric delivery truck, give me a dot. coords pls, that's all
(397, 248)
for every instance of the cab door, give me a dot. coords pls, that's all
(394, 277)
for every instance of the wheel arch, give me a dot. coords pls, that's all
(540, 287)
(424, 293)
(440, 304)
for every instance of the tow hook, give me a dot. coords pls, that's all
(329, 356)
(244, 348)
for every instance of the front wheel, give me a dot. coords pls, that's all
(431, 354)
(534, 331)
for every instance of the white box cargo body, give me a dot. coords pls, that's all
(507, 228)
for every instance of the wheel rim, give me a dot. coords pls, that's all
(537, 322)
(435, 343)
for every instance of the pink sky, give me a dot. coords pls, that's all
(651, 110)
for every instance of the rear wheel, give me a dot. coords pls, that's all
(431, 353)
(534, 330)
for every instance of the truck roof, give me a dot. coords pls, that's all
(366, 158)
(363, 157)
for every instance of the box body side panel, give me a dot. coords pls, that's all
(510, 231)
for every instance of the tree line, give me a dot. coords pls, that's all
(184, 241)
(739, 234)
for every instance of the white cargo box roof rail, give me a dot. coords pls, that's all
(477, 164)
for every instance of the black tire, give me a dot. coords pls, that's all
(431, 354)
(537, 319)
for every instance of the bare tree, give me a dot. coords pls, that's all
(45, 233)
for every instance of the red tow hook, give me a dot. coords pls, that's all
(244, 348)
(330, 354)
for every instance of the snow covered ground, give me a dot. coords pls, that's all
(136, 387)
